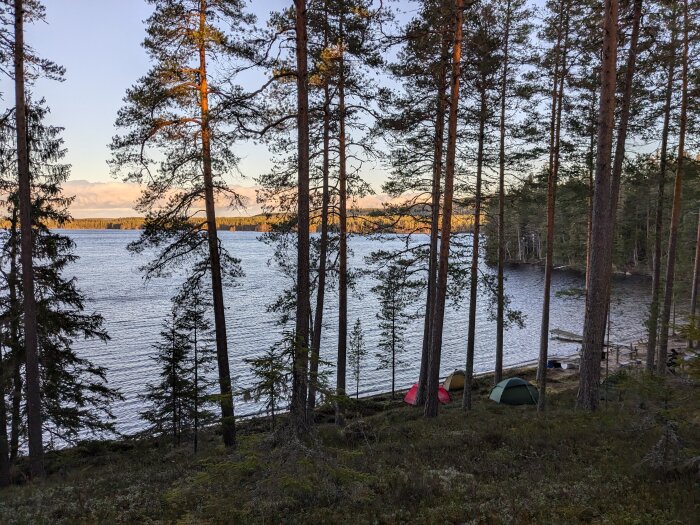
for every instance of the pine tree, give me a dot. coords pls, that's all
(433, 369)
(180, 123)
(599, 279)
(677, 203)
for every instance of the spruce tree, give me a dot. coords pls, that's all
(358, 351)
(178, 401)
(75, 397)
(395, 291)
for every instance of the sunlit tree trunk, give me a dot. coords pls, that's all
(34, 427)
(676, 209)
(300, 373)
(439, 143)
(653, 323)
(601, 239)
(433, 379)
(225, 390)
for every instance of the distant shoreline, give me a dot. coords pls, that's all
(366, 221)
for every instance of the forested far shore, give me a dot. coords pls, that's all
(366, 222)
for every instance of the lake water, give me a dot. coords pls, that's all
(134, 309)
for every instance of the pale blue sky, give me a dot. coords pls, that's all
(99, 43)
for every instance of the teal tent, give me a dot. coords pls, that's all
(515, 391)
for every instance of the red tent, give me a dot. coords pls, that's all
(410, 398)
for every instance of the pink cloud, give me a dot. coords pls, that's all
(117, 199)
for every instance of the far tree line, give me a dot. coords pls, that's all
(566, 132)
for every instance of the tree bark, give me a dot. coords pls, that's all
(225, 389)
(616, 177)
(434, 219)
(653, 323)
(500, 299)
(17, 350)
(676, 209)
(300, 373)
(696, 277)
(341, 365)
(553, 176)
(601, 239)
(433, 376)
(474, 270)
(323, 249)
(33, 381)
(4, 443)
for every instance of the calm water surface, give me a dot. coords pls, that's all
(134, 309)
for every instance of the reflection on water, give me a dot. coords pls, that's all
(133, 311)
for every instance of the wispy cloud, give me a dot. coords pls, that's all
(117, 199)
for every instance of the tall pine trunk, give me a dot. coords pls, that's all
(552, 177)
(323, 246)
(300, 373)
(341, 365)
(474, 270)
(653, 323)
(626, 103)
(676, 208)
(34, 427)
(439, 143)
(433, 377)
(601, 238)
(500, 299)
(225, 390)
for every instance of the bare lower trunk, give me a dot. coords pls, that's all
(696, 277)
(196, 379)
(323, 256)
(4, 443)
(434, 223)
(601, 239)
(676, 209)
(225, 389)
(553, 175)
(626, 103)
(498, 371)
(433, 379)
(653, 323)
(17, 350)
(300, 373)
(474, 272)
(343, 241)
(34, 427)
(591, 169)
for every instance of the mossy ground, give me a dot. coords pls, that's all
(496, 464)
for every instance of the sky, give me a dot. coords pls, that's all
(99, 43)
